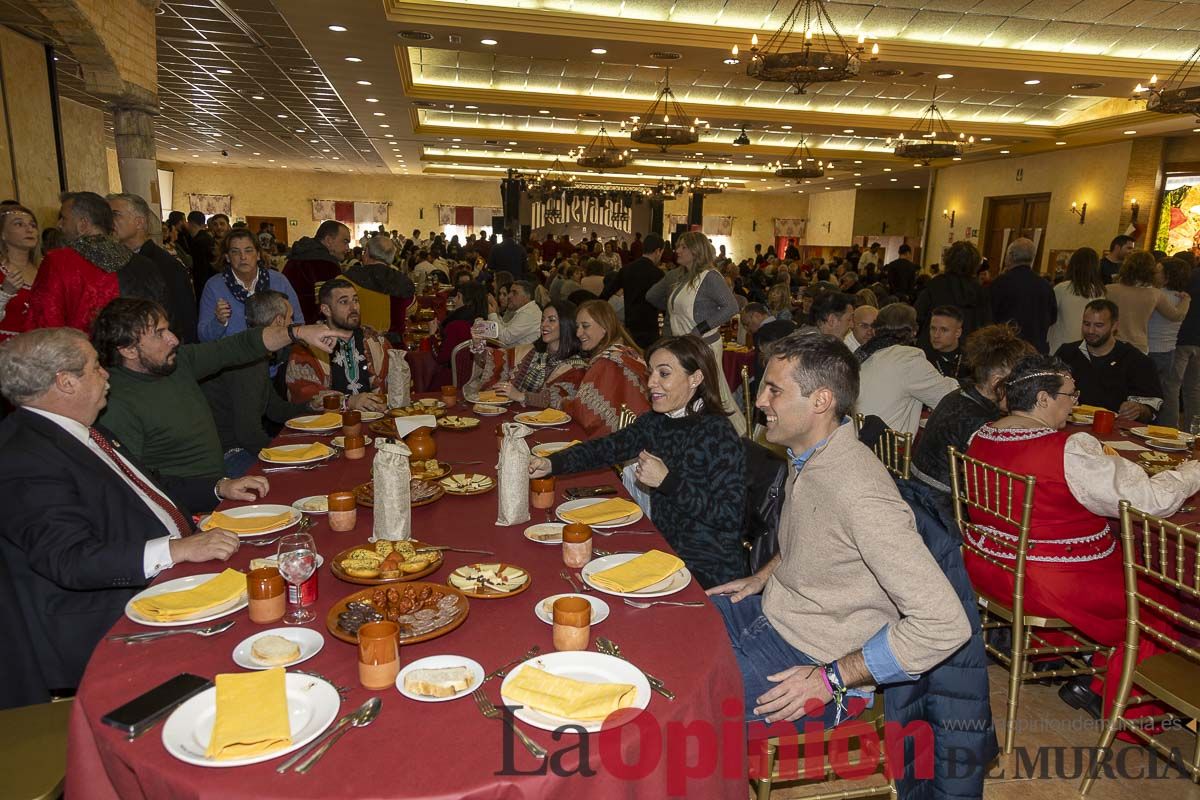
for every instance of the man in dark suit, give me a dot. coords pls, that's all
(131, 226)
(86, 528)
(508, 256)
(1024, 297)
(203, 249)
(636, 278)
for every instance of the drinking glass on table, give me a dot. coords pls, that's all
(297, 557)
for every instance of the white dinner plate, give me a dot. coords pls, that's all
(580, 665)
(1183, 438)
(489, 409)
(501, 402)
(550, 448)
(370, 416)
(293, 448)
(573, 505)
(309, 641)
(528, 418)
(430, 402)
(313, 705)
(440, 662)
(320, 502)
(340, 441)
(600, 609)
(675, 582)
(545, 528)
(179, 585)
(261, 510)
(291, 423)
(273, 560)
(1166, 444)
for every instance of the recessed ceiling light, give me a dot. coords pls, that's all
(543, 111)
(599, 51)
(385, 126)
(270, 161)
(786, 127)
(1005, 152)
(731, 61)
(224, 72)
(858, 174)
(956, 158)
(354, 59)
(887, 169)
(326, 150)
(174, 148)
(985, 138)
(471, 108)
(1060, 143)
(858, 184)
(916, 186)
(257, 97)
(512, 142)
(372, 99)
(508, 149)
(456, 140)
(256, 153)
(1129, 133)
(195, 155)
(363, 83)
(389, 136)
(827, 188)
(312, 141)
(281, 116)
(337, 28)
(1032, 82)
(945, 76)
(858, 162)
(848, 130)
(893, 180)
(488, 42)
(337, 158)
(379, 114)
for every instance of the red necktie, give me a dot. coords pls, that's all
(166, 505)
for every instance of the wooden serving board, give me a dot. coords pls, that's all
(339, 573)
(460, 616)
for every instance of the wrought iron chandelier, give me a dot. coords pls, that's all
(930, 137)
(800, 163)
(705, 183)
(550, 183)
(665, 123)
(1174, 96)
(825, 58)
(602, 153)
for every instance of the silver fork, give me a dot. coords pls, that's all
(502, 671)
(491, 712)
(297, 467)
(600, 532)
(208, 630)
(609, 647)
(566, 576)
(583, 585)
(639, 604)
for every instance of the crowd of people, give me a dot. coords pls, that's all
(145, 378)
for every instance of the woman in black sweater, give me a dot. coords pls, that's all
(689, 458)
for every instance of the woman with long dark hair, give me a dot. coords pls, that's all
(1084, 283)
(689, 459)
(544, 374)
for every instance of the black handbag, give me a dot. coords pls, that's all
(765, 476)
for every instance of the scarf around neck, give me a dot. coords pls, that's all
(234, 285)
(104, 251)
(881, 341)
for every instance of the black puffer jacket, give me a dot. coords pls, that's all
(953, 696)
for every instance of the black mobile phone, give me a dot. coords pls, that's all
(580, 492)
(139, 714)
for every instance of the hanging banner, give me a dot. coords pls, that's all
(211, 203)
(712, 224)
(790, 228)
(583, 210)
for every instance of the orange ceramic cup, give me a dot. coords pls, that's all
(572, 623)
(1102, 421)
(378, 655)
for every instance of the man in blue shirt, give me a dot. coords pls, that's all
(223, 303)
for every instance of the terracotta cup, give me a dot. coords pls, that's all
(268, 595)
(378, 654)
(576, 544)
(352, 423)
(541, 492)
(343, 511)
(572, 623)
(1102, 421)
(450, 396)
(332, 402)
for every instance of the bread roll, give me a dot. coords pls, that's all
(443, 682)
(274, 650)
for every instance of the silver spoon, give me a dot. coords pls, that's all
(308, 748)
(361, 720)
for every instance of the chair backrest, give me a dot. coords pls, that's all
(468, 359)
(748, 401)
(893, 448)
(1001, 495)
(1162, 555)
(625, 417)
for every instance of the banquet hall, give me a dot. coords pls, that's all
(867, 329)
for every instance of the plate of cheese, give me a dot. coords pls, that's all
(487, 581)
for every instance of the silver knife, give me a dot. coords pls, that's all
(315, 743)
(610, 647)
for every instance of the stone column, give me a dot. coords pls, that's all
(133, 129)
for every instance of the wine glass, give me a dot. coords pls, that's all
(297, 557)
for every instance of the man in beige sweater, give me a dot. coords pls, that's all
(854, 599)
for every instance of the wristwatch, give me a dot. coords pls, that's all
(292, 332)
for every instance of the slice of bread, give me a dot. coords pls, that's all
(443, 682)
(274, 650)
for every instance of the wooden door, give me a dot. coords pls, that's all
(281, 227)
(1010, 218)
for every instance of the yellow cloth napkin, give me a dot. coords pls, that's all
(547, 415)
(1162, 432)
(491, 397)
(605, 511)
(254, 524)
(567, 697)
(314, 450)
(324, 421)
(1086, 410)
(189, 602)
(638, 573)
(252, 714)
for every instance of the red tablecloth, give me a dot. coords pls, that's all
(437, 750)
(732, 363)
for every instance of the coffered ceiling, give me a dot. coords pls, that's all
(470, 88)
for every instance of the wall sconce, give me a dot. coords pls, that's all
(1133, 210)
(948, 214)
(1079, 211)
(828, 226)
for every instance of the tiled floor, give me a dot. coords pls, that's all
(1055, 735)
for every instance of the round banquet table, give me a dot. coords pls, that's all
(437, 750)
(732, 362)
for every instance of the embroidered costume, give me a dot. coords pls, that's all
(358, 364)
(546, 380)
(614, 378)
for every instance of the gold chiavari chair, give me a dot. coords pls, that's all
(893, 448)
(785, 761)
(33, 749)
(1008, 496)
(625, 417)
(748, 402)
(1159, 554)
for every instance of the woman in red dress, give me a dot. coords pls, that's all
(18, 245)
(1073, 567)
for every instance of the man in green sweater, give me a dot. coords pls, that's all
(241, 396)
(155, 405)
